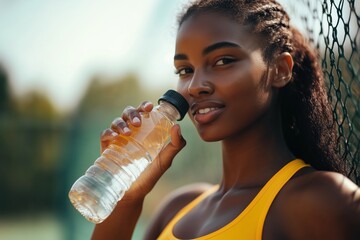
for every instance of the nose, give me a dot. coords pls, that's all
(199, 86)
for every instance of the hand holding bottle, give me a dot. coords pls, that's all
(129, 119)
(134, 142)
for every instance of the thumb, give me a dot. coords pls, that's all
(161, 163)
(168, 153)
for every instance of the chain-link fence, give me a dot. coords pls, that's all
(333, 27)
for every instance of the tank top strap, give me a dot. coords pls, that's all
(249, 224)
(273, 187)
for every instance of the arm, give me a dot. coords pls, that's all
(122, 221)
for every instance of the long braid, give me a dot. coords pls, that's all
(308, 123)
(307, 118)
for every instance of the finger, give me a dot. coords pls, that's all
(120, 126)
(108, 134)
(145, 106)
(132, 115)
(168, 153)
(106, 137)
(177, 140)
(161, 163)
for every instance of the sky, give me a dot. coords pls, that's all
(56, 46)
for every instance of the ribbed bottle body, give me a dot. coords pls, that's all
(96, 193)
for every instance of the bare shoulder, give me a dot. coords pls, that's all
(322, 205)
(171, 205)
(179, 198)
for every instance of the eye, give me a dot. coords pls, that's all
(183, 71)
(224, 61)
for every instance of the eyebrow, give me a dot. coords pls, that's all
(219, 45)
(209, 49)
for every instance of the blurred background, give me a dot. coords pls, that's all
(68, 68)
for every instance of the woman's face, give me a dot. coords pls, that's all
(222, 75)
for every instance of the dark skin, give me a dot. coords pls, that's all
(232, 92)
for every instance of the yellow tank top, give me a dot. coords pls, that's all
(249, 224)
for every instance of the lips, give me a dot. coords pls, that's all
(205, 112)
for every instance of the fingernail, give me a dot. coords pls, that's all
(147, 104)
(126, 130)
(114, 134)
(136, 120)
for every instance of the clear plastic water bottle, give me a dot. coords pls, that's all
(96, 193)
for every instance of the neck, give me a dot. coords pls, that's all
(253, 156)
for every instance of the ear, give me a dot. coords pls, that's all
(282, 70)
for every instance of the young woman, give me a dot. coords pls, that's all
(254, 84)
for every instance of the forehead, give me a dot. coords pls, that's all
(209, 28)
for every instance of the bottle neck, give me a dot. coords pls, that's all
(168, 110)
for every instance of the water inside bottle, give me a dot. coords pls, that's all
(153, 133)
(96, 193)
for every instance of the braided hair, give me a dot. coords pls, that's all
(307, 120)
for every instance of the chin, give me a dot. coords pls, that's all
(208, 136)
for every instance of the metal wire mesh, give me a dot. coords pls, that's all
(333, 27)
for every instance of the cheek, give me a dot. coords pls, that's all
(250, 95)
(253, 83)
(182, 88)
(256, 104)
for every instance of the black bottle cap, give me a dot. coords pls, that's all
(177, 100)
